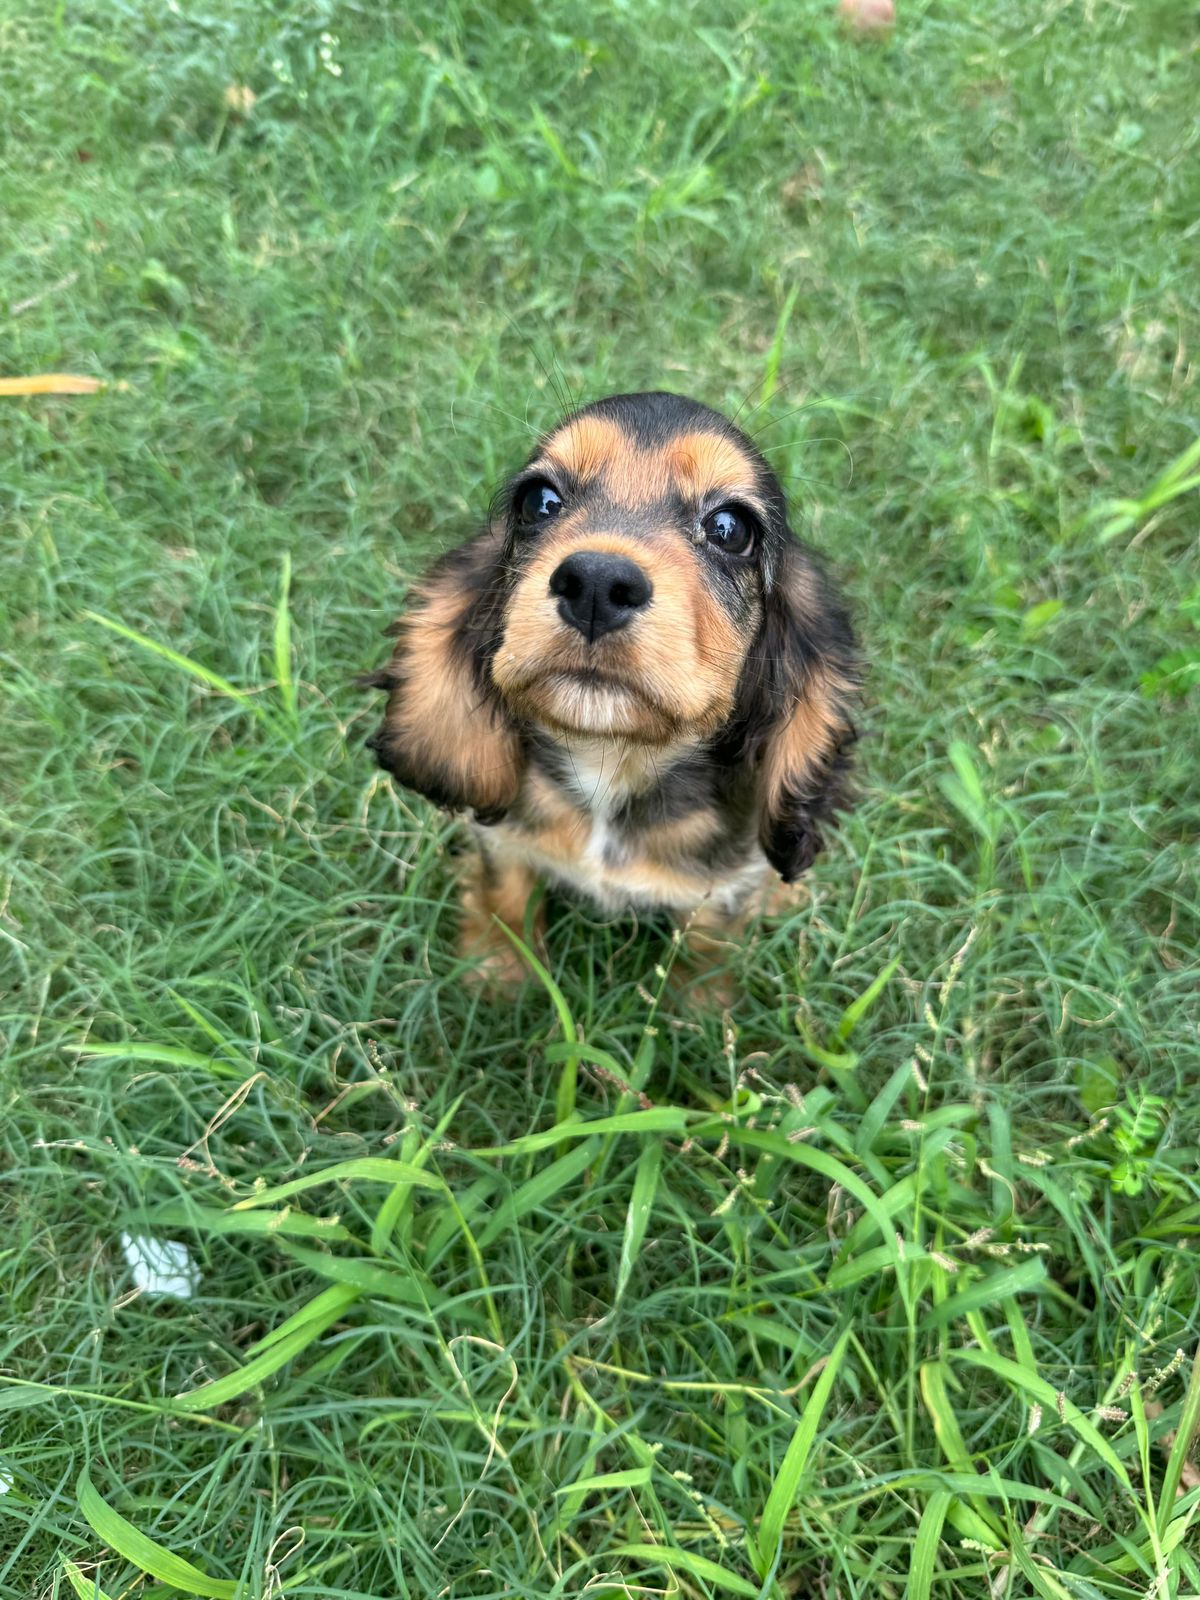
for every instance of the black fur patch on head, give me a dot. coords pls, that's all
(656, 416)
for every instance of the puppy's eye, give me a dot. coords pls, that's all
(729, 530)
(537, 502)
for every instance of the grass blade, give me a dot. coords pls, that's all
(857, 1009)
(208, 1219)
(630, 1478)
(564, 1099)
(659, 1119)
(269, 1360)
(1185, 1436)
(1042, 1578)
(671, 1556)
(837, 1172)
(787, 1480)
(283, 643)
(775, 354)
(537, 1191)
(933, 1378)
(85, 1588)
(167, 1054)
(637, 1217)
(394, 1208)
(1018, 1378)
(365, 1277)
(185, 663)
(990, 1291)
(924, 1556)
(338, 1295)
(142, 1551)
(365, 1169)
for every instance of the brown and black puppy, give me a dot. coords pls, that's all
(636, 679)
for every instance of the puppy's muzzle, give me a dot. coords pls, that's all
(599, 592)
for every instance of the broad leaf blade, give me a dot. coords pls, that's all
(269, 1360)
(637, 1218)
(929, 1536)
(362, 1169)
(142, 1551)
(787, 1480)
(671, 1557)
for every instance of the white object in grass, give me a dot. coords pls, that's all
(161, 1266)
(6, 1481)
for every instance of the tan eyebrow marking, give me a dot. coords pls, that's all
(694, 465)
(587, 446)
(703, 462)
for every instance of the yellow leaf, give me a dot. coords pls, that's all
(51, 383)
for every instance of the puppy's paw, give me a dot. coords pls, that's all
(493, 964)
(778, 900)
(495, 894)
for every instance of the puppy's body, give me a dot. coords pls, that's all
(636, 678)
(631, 828)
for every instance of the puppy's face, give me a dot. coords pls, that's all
(641, 585)
(639, 547)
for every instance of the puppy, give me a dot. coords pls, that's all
(636, 680)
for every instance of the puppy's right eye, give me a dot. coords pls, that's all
(537, 502)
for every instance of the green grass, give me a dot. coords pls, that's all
(826, 1300)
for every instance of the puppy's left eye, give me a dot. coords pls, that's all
(731, 531)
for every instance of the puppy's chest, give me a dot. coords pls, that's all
(625, 836)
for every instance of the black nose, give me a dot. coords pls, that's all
(598, 591)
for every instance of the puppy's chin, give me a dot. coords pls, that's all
(582, 705)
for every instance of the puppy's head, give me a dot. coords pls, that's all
(640, 583)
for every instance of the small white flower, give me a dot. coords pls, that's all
(161, 1266)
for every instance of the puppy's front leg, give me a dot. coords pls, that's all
(495, 885)
(710, 945)
(713, 937)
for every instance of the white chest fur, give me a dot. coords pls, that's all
(598, 787)
(594, 856)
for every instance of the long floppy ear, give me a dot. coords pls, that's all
(797, 694)
(444, 732)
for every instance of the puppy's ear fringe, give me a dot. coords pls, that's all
(444, 734)
(805, 775)
(807, 683)
(382, 678)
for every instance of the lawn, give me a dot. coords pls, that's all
(884, 1284)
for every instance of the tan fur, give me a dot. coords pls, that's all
(698, 466)
(438, 717)
(586, 446)
(557, 829)
(804, 740)
(678, 664)
(667, 841)
(502, 891)
(703, 465)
